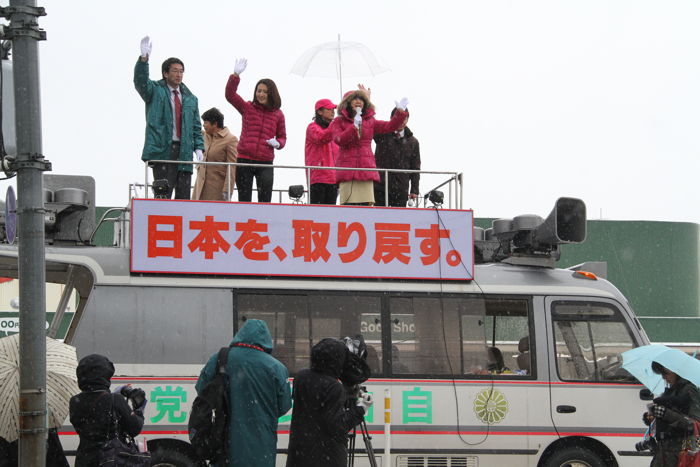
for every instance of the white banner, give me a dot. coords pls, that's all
(203, 237)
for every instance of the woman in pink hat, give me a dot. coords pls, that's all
(353, 130)
(320, 150)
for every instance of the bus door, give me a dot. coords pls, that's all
(591, 395)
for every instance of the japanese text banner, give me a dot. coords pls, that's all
(199, 237)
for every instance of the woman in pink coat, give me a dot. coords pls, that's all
(262, 132)
(320, 150)
(353, 130)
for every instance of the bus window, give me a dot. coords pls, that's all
(298, 321)
(495, 337)
(425, 332)
(589, 338)
(459, 336)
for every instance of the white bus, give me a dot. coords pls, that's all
(519, 366)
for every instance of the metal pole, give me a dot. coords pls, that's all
(25, 34)
(340, 69)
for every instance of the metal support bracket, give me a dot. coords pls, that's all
(30, 161)
(19, 28)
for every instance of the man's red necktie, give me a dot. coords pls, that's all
(178, 114)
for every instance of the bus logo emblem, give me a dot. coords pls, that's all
(490, 406)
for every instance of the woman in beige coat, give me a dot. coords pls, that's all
(214, 181)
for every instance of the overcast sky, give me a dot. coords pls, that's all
(531, 100)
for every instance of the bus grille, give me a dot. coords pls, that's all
(437, 461)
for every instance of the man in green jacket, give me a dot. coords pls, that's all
(259, 394)
(173, 127)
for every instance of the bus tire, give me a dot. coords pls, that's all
(572, 456)
(161, 457)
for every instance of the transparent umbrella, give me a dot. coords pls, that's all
(337, 59)
(61, 382)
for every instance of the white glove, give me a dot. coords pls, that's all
(358, 117)
(240, 65)
(402, 104)
(146, 46)
(198, 155)
(365, 402)
(273, 142)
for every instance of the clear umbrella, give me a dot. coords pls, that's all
(337, 59)
(61, 382)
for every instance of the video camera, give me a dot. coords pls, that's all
(648, 444)
(355, 370)
(137, 396)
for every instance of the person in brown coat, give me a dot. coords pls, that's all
(220, 145)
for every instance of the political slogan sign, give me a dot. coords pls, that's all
(203, 237)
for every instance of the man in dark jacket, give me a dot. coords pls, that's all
(321, 418)
(173, 128)
(93, 410)
(258, 395)
(398, 150)
(670, 411)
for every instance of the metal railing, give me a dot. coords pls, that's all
(453, 181)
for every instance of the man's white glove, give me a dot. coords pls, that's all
(402, 104)
(240, 65)
(358, 117)
(365, 401)
(146, 46)
(273, 142)
(198, 155)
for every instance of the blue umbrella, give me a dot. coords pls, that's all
(638, 363)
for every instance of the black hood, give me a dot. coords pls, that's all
(328, 357)
(94, 373)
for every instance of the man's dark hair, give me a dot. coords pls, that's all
(165, 67)
(274, 101)
(395, 109)
(214, 116)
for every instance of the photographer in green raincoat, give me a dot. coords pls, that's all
(259, 394)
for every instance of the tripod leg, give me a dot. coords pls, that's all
(368, 444)
(351, 447)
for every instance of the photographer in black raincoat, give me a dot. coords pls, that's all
(670, 413)
(90, 411)
(324, 408)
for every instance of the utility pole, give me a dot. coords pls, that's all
(29, 164)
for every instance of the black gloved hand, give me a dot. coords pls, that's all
(647, 419)
(138, 399)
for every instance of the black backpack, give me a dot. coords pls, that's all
(208, 424)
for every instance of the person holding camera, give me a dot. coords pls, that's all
(670, 413)
(93, 411)
(324, 409)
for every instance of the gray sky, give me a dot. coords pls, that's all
(531, 100)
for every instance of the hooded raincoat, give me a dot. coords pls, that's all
(159, 119)
(258, 395)
(322, 417)
(90, 410)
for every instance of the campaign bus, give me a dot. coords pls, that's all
(482, 352)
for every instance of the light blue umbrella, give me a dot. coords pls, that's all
(638, 363)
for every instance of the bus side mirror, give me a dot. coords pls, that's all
(646, 395)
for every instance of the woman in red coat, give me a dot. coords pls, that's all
(353, 130)
(262, 132)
